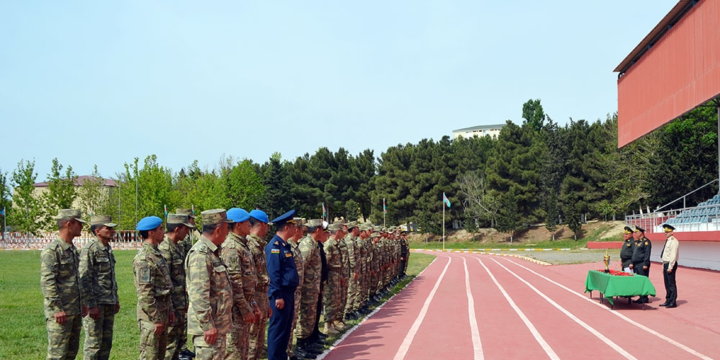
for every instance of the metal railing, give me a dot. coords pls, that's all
(700, 218)
(124, 239)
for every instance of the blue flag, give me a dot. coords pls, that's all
(446, 200)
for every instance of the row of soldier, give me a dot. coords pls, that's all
(217, 290)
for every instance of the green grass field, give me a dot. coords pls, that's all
(22, 323)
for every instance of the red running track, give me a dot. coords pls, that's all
(522, 310)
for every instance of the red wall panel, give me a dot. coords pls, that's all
(680, 72)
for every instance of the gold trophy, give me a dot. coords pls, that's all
(606, 259)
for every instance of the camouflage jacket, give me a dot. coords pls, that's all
(343, 247)
(174, 255)
(257, 247)
(299, 264)
(190, 239)
(240, 264)
(209, 289)
(332, 252)
(97, 275)
(153, 285)
(352, 254)
(312, 267)
(59, 279)
(361, 252)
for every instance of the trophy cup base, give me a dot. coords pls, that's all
(607, 271)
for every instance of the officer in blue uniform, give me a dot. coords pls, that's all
(283, 282)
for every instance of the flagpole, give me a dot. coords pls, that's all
(443, 206)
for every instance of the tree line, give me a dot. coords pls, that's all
(532, 173)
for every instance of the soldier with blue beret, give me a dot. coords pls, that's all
(259, 227)
(284, 281)
(155, 312)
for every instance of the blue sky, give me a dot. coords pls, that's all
(103, 82)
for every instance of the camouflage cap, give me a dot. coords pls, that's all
(364, 227)
(70, 214)
(314, 223)
(352, 224)
(297, 221)
(335, 227)
(104, 220)
(214, 216)
(303, 221)
(187, 212)
(179, 219)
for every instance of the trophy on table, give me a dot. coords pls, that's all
(606, 259)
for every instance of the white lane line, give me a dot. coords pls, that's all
(587, 327)
(477, 344)
(405, 346)
(633, 322)
(345, 335)
(548, 350)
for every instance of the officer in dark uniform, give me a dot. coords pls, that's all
(627, 248)
(283, 282)
(641, 257)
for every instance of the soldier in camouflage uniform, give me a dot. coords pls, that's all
(209, 289)
(99, 289)
(193, 235)
(310, 288)
(404, 254)
(173, 251)
(353, 263)
(299, 265)
(238, 259)
(258, 230)
(344, 278)
(60, 285)
(154, 287)
(332, 288)
(363, 269)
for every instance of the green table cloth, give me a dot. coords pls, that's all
(611, 285)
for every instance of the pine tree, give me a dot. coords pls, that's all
(278, 198)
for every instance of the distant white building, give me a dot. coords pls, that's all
(479, 131)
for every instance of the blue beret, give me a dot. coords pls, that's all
(288, 216)
(149, 223)
(259, 215)
(238, 215)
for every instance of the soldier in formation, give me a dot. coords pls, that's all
(99, 289)
(155, 312)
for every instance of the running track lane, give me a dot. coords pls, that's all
(446, 331)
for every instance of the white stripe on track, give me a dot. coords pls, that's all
(477, 344)
(587, 327)
(633, 322)
(548, 350)
(405, 346)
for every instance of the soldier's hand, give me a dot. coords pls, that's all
(94, 313)
(631, 266)
(159, 328)
(356, 276)
(60, 318)
(644, 267)
(258, 313)
(669, 271)
(83, 311)
(279, 304)
(269, 312)
(117, 308)
(172, 318)
(249, 317)
(210, 336)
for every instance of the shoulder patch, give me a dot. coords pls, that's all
(144, 274)
(203, 249)
(646, 243)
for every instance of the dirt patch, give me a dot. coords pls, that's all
(530, 236)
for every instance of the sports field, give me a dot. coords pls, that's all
(22, 324)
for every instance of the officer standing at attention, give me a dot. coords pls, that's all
(259, 228)
(99, 289)
(641, 257)
(669, 255)
(152, 281)
(209, 289)
(238, 259)
(60, 285)
(627, 249)
(283, 282)
(173, 250)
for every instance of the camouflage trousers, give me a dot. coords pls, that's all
(238, 340)
(343, 299)
(152, 346)
(63, 340)
(99, 334)
(205, 351)
(177, 336)
(331, 301)
(298, 297)
(308, 312)
(352, 293)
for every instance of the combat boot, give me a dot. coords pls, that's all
(330, 329)
(301, 350)
(339, 325)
